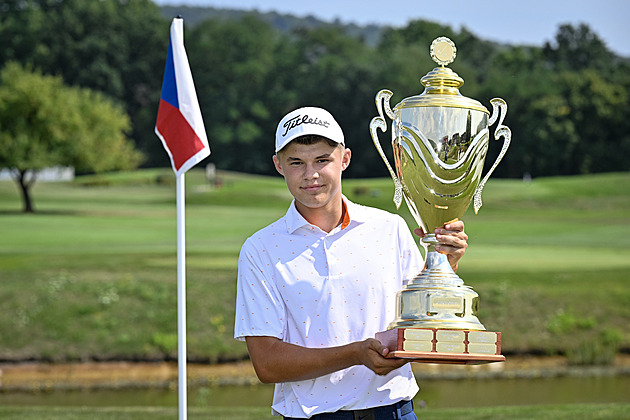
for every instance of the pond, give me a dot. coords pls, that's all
(434, 393)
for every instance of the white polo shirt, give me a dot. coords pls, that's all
(317, 289)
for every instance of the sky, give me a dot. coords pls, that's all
(522, 22)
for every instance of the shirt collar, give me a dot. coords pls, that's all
(353, 214)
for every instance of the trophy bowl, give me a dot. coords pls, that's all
(439, 139)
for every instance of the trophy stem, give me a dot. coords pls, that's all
(437, 270)
(437, 297)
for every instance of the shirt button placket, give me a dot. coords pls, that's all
(326, 250)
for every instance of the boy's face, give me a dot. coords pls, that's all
(313, 173)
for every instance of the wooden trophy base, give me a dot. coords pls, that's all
(444, 346)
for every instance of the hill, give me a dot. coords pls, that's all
(285, 23)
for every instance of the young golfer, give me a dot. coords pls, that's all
(315, 286)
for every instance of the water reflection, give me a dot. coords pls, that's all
(434, 393)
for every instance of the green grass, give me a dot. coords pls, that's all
(536, 412)
(93, 273)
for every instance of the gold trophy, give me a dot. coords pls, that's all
(440, 140)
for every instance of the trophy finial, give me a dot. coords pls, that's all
(441, 85)
(443, 51)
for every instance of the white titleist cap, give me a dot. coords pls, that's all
(307, 121)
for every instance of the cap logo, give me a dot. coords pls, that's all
(299, 120)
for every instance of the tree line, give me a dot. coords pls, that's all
(568, 99)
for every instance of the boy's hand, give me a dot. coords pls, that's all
(452, 239)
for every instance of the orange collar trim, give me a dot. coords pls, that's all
(345, 217)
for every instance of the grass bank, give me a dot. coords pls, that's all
(92, 275)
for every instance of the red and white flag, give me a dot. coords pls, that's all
(179, 123)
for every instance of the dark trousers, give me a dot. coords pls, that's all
(402, 410)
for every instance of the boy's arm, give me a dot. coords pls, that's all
(277, 361)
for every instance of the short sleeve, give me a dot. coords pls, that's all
(259, 307)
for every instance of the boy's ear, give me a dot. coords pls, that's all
(345, 159)
(276, 163)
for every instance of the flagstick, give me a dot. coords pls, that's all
(181, 296)
(180, 127)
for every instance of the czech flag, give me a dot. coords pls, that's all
(179, 123)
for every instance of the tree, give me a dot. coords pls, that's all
(116, 47)
(44, 123)
(234, 63)
(577, 48)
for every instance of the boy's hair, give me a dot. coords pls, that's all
(312, 139)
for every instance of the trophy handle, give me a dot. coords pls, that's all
(499, 110)
(382, 103)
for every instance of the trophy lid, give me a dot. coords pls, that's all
(442, 84)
